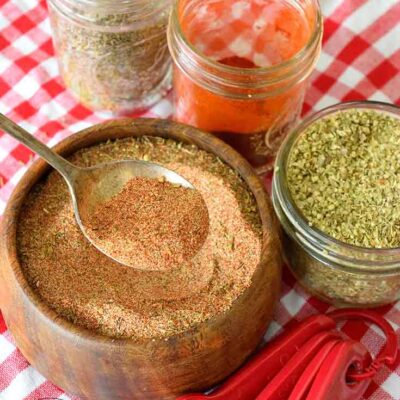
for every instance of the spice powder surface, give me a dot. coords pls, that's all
(151, 224)
(89, 289)
(344, 176)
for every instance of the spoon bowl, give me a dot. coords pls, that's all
(96, 185)
(93, 186)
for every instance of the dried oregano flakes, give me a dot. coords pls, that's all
(344, 176)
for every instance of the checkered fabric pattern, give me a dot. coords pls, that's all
(247, 29)
(360, 60)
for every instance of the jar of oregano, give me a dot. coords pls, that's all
(336, 191)
(112, 54)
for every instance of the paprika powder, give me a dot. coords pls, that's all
(241, 68)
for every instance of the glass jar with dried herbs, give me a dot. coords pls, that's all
(336, 191)
(112, 55)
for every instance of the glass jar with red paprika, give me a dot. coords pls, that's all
(241, 68)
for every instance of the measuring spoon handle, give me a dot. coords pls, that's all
(64, 167)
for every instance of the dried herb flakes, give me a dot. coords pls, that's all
(344, 176)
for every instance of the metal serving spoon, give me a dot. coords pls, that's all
(90, 187)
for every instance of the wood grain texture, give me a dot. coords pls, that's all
(99, 368)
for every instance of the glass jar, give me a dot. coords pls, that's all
(232, 80)
(113, 55)
(342, 274)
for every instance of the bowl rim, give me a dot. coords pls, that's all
(81, 139)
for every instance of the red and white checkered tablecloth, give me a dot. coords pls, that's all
(360, 60)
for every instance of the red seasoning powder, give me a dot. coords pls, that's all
(241, 69)
(84, 286)
(151, 224)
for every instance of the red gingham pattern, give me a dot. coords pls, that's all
(360, 60)
(242, 28)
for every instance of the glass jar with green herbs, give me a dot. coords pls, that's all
(112, 54)
(336, 191)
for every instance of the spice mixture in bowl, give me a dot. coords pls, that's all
(336, 190)
(89, 289)
(151, 224)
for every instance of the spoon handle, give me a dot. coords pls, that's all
(64, 167)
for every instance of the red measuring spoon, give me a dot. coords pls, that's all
(251, 379)
(305, 382)
(332, 382)
(280, 387)
(386, 356)
(311, 362)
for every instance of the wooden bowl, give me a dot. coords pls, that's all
(95, 367)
